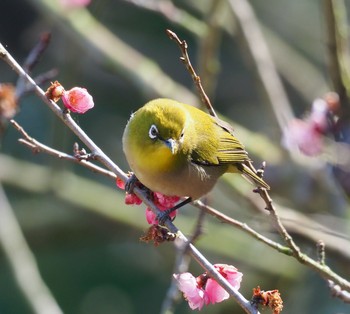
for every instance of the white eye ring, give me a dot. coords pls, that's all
(153, 132)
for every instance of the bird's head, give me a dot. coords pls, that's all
(157, 133)
(161, 124)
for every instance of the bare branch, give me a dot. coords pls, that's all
(335, 54)
(22, 262)
(38, 147)
(196, 79)
(322, 269)
(338, 292)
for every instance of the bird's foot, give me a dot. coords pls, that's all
(131, 183)
(163, 216)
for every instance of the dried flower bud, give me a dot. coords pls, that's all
(55, 91)
(333, 102)
(270, 298)
(8, 101)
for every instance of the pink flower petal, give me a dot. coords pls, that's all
(192, 293)
(132, 199)
(232, 275)
(165, 202)
(214, 291)
(120, 183)
(151, 217)
(304, 136)
(77, 100)
(318, 115)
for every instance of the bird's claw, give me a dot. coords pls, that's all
(163, 216)
(131, 183)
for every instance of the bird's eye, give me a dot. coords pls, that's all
(153, 132)
(182, 134)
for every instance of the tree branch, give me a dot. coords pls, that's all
(108, 163)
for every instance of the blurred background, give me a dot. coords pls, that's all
(262, 63)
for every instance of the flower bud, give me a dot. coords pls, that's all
(77, 100)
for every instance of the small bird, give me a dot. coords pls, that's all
(177, 149)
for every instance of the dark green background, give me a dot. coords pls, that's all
(85, 240)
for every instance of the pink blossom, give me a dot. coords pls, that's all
(152, 218)
(75, 3)
(120, 183)
(77, 100)
(304, 136)
(204, 290)
(307, 134)
(318, 115)
(163, 202)
(130, 198)
(194, 294)
(214, 291)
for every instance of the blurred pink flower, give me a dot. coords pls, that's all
(204, 290)
(307, 134)
(75, 3)
(304, 136)
(77, 100)
(318, 115)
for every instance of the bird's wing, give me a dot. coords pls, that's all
(223, 148)
(230, 149)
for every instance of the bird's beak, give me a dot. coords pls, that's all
(171, 144)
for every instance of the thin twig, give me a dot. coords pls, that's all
(37, 51)
(336, 291)
(244, 227)
(335, 53)
(32, 59)
(38, 147)
(196, 79)
(182, 263)
(322, 269)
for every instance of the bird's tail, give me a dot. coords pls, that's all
(252, 177)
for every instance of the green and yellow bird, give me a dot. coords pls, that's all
(177, 149)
